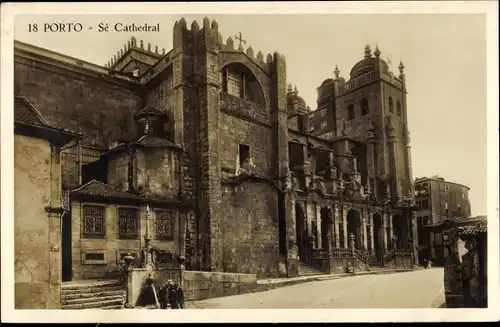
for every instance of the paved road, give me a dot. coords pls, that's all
(416, 289)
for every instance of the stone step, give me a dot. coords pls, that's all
(307, 270)
(94, 299)
(95, 305)
(112, 307)
(99, 293)
(94, 289)
(91, 283)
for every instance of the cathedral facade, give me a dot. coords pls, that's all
(208, 151)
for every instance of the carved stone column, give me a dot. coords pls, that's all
(414, 237)
(391, 231)
(319, 240)
(344, 226)
(364, 222)
(385, 236)
(393, 160)
(292, 259)
(310, 214)
(336, 218)
(372, 235)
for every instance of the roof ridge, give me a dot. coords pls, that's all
(33, 108)
(84, 185)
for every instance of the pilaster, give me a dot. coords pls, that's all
(336, 224)
(344, 226)
(387, 231)
(364, 222)
(372, 235)
(319, 241)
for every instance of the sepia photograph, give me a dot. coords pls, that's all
(189, 160)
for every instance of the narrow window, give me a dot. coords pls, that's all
(244, 155)
(350, 112)
(323, 125)
(391, 105)
(365, 108)
(398, 108)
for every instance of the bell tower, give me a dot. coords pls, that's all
(370, 107)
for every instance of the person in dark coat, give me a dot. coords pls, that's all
(176, 296)
(180, 294)
(163, 296)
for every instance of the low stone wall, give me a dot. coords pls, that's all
(199, 285)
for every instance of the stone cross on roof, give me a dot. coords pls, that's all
(240, 39)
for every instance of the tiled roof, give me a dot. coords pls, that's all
(477, 228)
(458, 221)
(154, 142)
(96, 188)
(26, 113)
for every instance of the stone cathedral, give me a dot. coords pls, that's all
(210, 150)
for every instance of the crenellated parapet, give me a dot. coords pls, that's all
(148, 54)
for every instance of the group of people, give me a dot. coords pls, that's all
(427, 263)
(171, 296)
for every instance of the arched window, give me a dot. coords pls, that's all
(239, 81)
(398, 108)
(350, 112)
(391, 105)
(365, 108)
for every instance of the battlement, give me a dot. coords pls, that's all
(133, 45)
(210, 31)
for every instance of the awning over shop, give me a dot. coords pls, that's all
(472, 223)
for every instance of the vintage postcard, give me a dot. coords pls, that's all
(205, 156)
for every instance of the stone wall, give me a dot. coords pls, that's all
(99, 106)
(112, 247)
(199, 285)
(118, 166)
(37, 281)
(235, 131)
(158, 172)
(249, 213)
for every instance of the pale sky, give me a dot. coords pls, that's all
(444, 58)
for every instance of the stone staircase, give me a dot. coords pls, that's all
(308, 270)
(93, 294)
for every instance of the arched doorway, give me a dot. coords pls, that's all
(301, 229)
(378, 232)
(354, 227)
(398, 226)
(325, 224)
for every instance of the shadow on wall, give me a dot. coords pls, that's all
(250, 229)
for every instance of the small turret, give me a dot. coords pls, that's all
(377, 52)
(336, 72)
(401, 68)
(368, 51)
